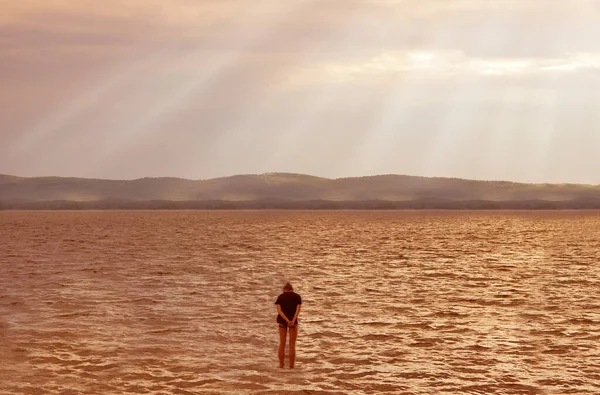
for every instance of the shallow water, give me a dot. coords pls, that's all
(394, 302)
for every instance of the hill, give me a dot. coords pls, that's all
(293, 189)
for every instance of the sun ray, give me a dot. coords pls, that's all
(301, 121)
(455, 122)
(127, 131)
(207, 79)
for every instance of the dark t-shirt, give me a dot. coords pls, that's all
(288, 301)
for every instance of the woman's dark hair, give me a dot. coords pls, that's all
(288, 287)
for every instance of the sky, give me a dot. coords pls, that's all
(478, 89)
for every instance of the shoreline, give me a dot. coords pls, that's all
(313, 205)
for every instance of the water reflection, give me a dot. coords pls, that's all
(182, 302)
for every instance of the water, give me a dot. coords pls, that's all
(394, 302)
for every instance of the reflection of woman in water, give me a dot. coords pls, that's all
(288, 308)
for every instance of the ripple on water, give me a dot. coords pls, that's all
(394, 302)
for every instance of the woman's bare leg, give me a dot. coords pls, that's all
(282, 335)
(293, 336)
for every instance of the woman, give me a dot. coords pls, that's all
(288, 308)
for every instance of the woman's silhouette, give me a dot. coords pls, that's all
(288, 308)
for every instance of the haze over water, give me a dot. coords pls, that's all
(394, 302)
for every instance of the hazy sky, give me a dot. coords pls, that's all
(483, 89)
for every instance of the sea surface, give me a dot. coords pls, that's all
(417, 302)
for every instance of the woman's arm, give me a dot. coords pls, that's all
(297, 312)
(281, 313)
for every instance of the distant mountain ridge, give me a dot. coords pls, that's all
(287, 187)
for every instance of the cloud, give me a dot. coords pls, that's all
(324, 30)
(445, 64)
(227, 86)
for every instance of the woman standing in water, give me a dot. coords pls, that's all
(288, 308)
